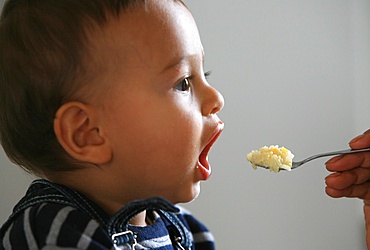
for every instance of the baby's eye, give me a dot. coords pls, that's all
(207, 74)
(184, 85)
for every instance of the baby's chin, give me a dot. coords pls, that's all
(188, 196)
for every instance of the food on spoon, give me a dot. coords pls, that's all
(272, 157)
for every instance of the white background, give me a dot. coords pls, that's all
(294, 73)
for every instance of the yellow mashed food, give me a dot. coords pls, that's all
(272, 157)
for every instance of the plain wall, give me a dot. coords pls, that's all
(293, 73)
(296, 74)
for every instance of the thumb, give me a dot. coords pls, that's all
(361, 141)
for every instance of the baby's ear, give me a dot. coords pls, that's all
(77, 130)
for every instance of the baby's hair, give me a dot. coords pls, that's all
(44, 54)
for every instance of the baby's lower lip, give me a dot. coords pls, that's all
(203, 163)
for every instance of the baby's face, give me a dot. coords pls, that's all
(158, 111)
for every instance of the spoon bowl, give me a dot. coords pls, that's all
(296, 164)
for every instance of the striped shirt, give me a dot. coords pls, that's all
(51, 225)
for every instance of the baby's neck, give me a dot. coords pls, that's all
(139, 220)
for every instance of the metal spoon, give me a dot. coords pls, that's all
(340, 152)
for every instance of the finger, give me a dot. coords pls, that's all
(361, 191)
(361, 141)
(334, 193)
(342, 180)
(348, 162)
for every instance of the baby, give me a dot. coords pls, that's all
(107, 101)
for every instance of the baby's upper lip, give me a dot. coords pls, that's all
(219, 128)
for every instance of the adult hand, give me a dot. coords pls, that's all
(351, 177)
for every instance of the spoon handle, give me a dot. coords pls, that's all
(340, 152)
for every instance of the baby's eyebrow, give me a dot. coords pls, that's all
(178, 60)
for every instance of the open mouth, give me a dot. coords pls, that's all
(203, 163)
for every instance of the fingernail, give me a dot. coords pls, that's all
(336, 174)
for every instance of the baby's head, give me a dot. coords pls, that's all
(113, 90)
(46, 60)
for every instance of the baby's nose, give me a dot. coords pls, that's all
(213, 101)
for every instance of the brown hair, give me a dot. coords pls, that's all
(43, 53)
